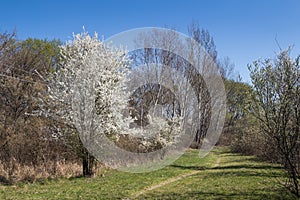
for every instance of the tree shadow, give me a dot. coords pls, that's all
(246, 173)
(5, 181)
(78, 177)
(258, 194)
(245, 166)
(261, 169)
(189, 167)
(245, 170)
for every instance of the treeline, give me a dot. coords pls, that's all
(31, 147)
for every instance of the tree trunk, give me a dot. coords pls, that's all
(87, 163)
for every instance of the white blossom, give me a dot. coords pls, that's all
(89, 87)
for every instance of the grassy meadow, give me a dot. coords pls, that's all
(220, 175)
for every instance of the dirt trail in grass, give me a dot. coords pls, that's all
(217, 164)
(171, 180)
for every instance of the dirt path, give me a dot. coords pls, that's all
(217, 164)
(171, 180)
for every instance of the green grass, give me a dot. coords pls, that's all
(236, 177)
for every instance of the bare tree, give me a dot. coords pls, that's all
(203, 37)
(159, 65)
(155, 72)
(277, 106)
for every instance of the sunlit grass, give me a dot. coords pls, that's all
(237, 177)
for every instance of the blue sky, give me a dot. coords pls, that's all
(243, 30)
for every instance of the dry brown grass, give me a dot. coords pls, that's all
(26, 173)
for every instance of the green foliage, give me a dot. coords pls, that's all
(238, 100)
(239, 128)
(48, 51)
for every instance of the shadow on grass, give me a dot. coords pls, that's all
(236, 170)
(189, 167)
(245, 166)
(245, 174)
(77, 177)
(258, 194)
(241, 169)
(5, 181)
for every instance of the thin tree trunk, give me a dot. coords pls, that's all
(87, 163)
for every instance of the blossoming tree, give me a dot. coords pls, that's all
(87, 91)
